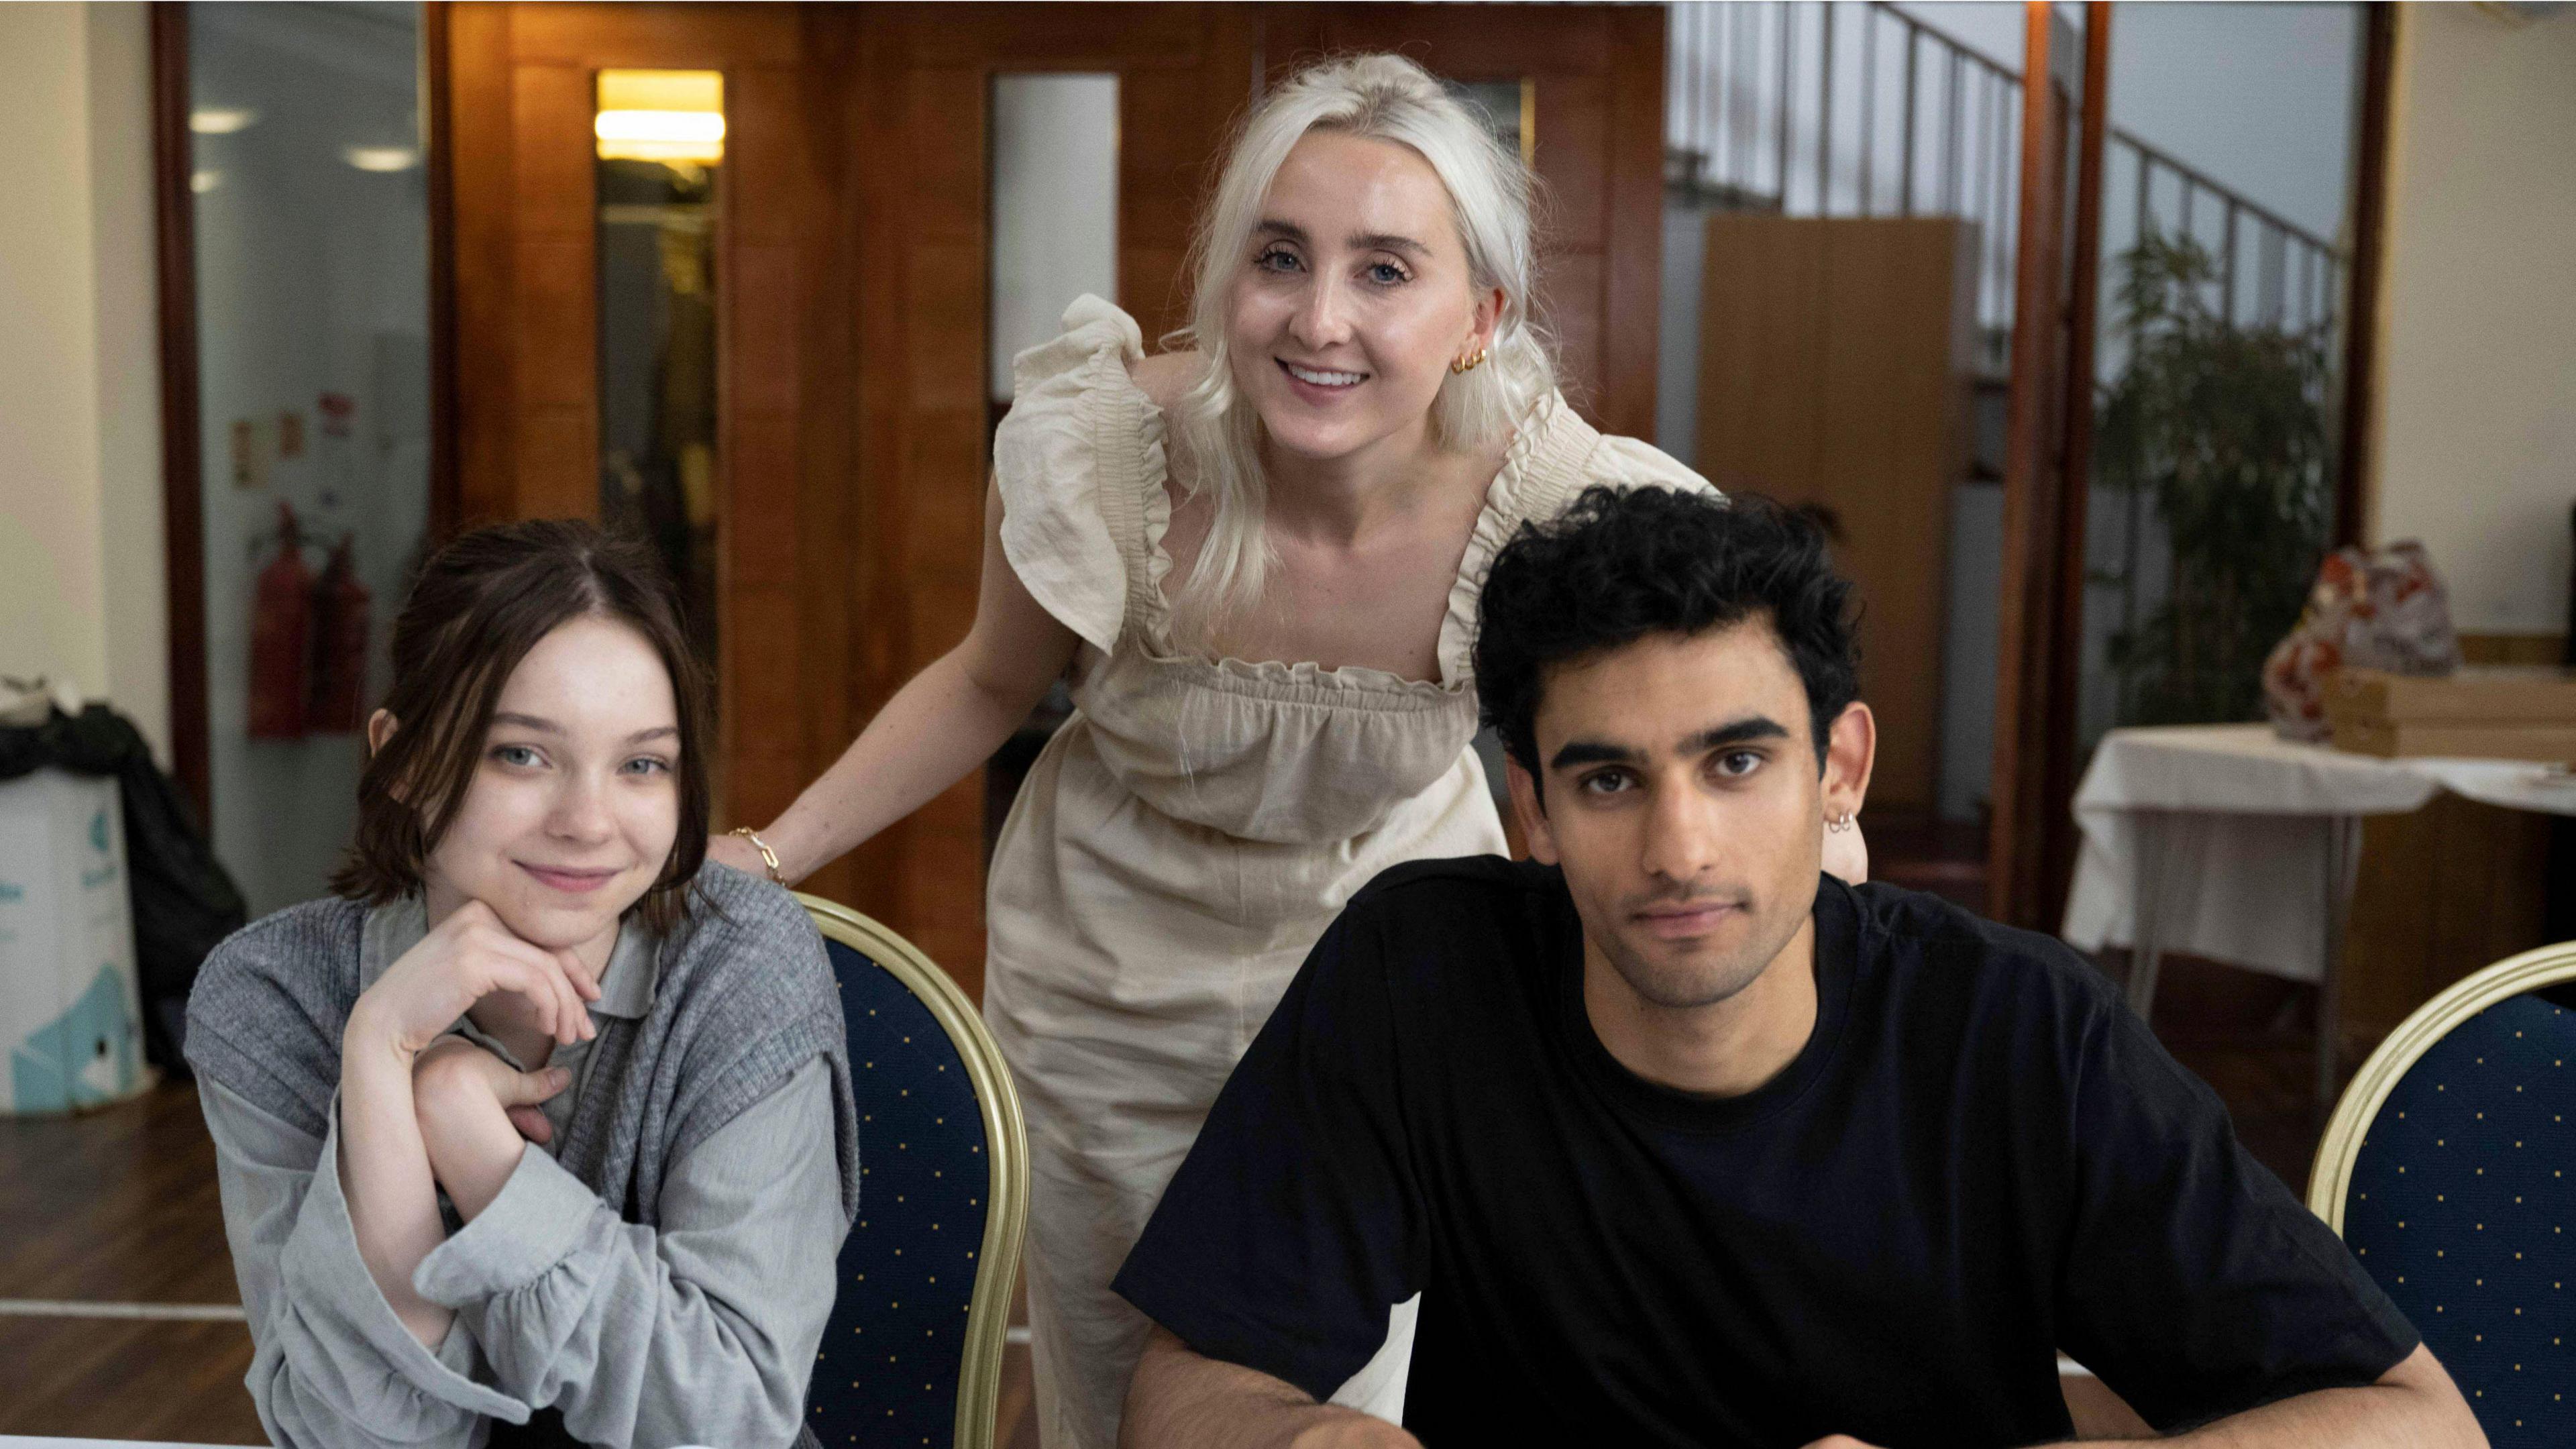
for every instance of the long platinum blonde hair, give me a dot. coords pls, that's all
(1387, 98)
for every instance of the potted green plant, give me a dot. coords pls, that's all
(2223, 428)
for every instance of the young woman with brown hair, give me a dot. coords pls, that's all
(524, 948)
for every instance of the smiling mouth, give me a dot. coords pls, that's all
(570, 882)
(1322, 377)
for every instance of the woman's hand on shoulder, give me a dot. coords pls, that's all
(1166, 375)
(469, 956)
(737, 852)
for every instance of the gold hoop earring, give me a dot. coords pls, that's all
(1459, 366)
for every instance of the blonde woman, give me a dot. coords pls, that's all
(1260, 558)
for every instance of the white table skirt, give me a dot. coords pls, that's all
(2233, 831)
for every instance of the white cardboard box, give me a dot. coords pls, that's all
(70, 1016)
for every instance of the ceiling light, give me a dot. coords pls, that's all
(381, 158)
(220, 120)
(202, 182)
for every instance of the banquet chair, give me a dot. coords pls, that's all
(2447, 1169)
(913, 1353)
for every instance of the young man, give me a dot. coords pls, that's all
(1685, 1143)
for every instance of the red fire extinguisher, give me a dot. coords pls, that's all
(340, 620)
(281, 651)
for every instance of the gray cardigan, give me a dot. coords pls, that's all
(718, 1060)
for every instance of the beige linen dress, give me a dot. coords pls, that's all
(1189, 833)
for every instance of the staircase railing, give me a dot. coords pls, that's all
(1816, 109)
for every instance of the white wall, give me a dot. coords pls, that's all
(81, 573)
(2477, 402)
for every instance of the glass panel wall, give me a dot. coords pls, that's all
(312, 261)
(2226, 218)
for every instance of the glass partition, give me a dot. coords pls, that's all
(312, 280)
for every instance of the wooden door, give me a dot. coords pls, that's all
(1835, 363)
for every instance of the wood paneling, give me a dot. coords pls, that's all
(1834, 370)
(2448, 889)
(917, 110)
(853, 299)
(2441, 892)
(524, 358)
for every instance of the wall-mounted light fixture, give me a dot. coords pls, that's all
(660, 115)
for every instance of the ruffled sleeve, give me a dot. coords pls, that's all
(1069, 461)
(1554, 456)
(1631, 463)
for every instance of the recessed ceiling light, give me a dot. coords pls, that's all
(382, 158)
(202, 182)
(220, 120)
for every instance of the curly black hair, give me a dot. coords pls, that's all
(1618, 566)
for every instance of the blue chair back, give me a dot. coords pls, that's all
(2456, 1193)
(912, 1355)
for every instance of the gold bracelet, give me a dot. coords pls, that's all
(768, 857)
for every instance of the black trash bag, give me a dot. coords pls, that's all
(183, 900)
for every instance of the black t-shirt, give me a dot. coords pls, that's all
(1979, 1158)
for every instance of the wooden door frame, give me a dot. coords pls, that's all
(183, 499)
(2357, 463)
(2047, 469)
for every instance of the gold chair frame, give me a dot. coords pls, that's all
(1006, 1134)
(2330, 1180)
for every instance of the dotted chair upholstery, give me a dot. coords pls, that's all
(2450, 1170)
(913, 1353)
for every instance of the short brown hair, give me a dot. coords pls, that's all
(479, 605)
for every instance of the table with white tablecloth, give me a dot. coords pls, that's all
(2228, 842)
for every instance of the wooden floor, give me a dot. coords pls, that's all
(118, 1207)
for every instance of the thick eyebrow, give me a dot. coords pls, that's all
(548, 727)
(1743, 731)
(1718, 737)
(1592, 752)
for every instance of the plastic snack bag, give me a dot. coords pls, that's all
(2384, 610)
